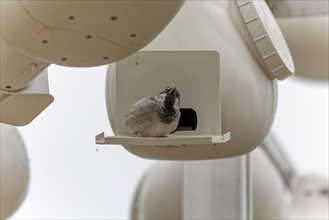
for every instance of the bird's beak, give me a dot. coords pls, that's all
(174, 92)
(165, 91)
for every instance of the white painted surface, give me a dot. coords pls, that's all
(70, 179)
(14, 168)
(83, 33)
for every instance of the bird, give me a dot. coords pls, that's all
(155, 116)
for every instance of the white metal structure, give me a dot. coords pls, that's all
(245, 112)
(262, 185)
(36, 34)
(196, 74)
(253, 54)
(15, 171)
(237, 188)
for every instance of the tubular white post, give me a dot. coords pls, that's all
(217, 189)
(275, 151)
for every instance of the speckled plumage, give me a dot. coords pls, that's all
(156, 116)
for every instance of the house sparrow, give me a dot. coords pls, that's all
(156, 116)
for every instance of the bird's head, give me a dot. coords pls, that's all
(171, 91)
(170, 97)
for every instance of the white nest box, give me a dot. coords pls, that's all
(196, 74)
(83, 33)
(226, 59)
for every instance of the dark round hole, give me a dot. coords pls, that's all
(105, 58)
(64, 58)
(71, 17)
(188, 120)
(133, 35)
(8, 87)
(44, 41)
(114, 18)
(89, 36)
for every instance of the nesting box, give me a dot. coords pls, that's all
(196, 75)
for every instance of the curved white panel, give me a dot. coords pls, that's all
(83, 33)
(14, 170)
(248, 96)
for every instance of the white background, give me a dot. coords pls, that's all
(70, 179)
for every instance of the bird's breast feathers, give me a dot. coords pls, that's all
(150, 117)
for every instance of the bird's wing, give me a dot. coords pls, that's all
(142, 111)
